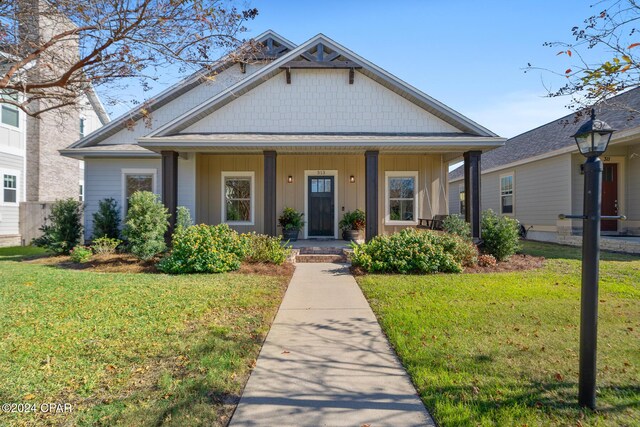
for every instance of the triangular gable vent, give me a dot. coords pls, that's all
(321, 56)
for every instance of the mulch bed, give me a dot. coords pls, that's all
(127, 263)
(518, 262)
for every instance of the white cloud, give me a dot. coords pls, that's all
(513, 113)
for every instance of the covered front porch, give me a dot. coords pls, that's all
(396, 182)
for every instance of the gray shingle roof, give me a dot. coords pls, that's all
(620, 112)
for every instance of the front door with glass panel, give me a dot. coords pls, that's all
(321, 206)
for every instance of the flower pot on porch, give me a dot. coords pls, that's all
(290, 235)
(350, 235)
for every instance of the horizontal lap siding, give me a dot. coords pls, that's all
(103, 179)
(9, 215)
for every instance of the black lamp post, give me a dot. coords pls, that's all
(592, 138)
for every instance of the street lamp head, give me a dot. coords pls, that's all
(593, 137)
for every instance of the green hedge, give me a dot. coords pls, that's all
(415, 251)
(263, 248)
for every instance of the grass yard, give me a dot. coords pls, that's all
(502, 348)
(128, 349)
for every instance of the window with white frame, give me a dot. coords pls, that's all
(81, 193)
(82, 125)
(136, 180)
(9, 114)
(401, 198)
(506, 194)
(461, 198)
(10, 188)
(238, 197)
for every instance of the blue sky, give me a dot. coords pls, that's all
(468, 54)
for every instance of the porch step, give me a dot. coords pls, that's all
(316, 250)
(317, 258)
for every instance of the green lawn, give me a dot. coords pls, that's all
(128, 349)
(502, 348)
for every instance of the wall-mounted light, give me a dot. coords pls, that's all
(290, 179)
(352, 179)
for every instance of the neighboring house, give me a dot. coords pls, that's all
(537, 175)
(314, 127)
(32, 171)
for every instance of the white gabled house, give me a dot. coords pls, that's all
(315, 127)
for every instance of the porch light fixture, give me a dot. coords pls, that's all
(593, 137)
(290, 179)
(352, 179)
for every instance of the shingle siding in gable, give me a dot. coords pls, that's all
(320, 101)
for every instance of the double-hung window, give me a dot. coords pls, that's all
(9, 188)
(506, 194)
(401, 198)
(238, 197)
(134, 180)
(9, 114)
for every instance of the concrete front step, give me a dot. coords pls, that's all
(321, 258)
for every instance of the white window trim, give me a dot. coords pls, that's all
(223, 202)
(320, 172)
(124, 172)
(513, 192)
(461, 190)
(81, 196)
(416, 192)
(8, 126)
(18, 176)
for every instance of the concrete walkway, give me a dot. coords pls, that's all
(326, 362)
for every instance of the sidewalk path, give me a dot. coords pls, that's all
(326, 362)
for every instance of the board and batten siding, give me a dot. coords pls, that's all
(10, 213)
(321, 101)
(350, 196)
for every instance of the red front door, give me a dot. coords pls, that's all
(610, 196)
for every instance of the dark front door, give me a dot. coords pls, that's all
(610, 196)
(320, 213)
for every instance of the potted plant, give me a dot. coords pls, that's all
(351, 224)
(291, 223)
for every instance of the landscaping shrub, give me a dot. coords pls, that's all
(500, 235)
(64, 230)
(414, 251)
(105, 245)
(106, 222)
(486, 260)
(204, 249)
(263, 248)
(455, 224)
(80, 254)
(183, 217)
(145, 225)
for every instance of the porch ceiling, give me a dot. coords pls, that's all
(320, 143)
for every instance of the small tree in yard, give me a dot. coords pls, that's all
(183, 218)
(146, 225)
(106, 222)
(64, 230)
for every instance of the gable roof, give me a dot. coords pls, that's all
(369, 69)
(620, 112)
(170, 94)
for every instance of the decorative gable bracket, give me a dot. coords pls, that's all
(267, 50)
(321, 57)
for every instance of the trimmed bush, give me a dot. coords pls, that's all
(64, 230)
(455, 224)
(500, 235)
(263, 248)
(80, 254)
(414, 251)
(204, 249)
(486, 260)
(183, 217)
(145, 225)
(106, 222)
(105, 245)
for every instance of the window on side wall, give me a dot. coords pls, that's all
(506, 194)
(10, 188)
(238, 197)
(82, 124)
(10, 115)
(81, 192)
(401, 198)
(141, 180)
(461, 198)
